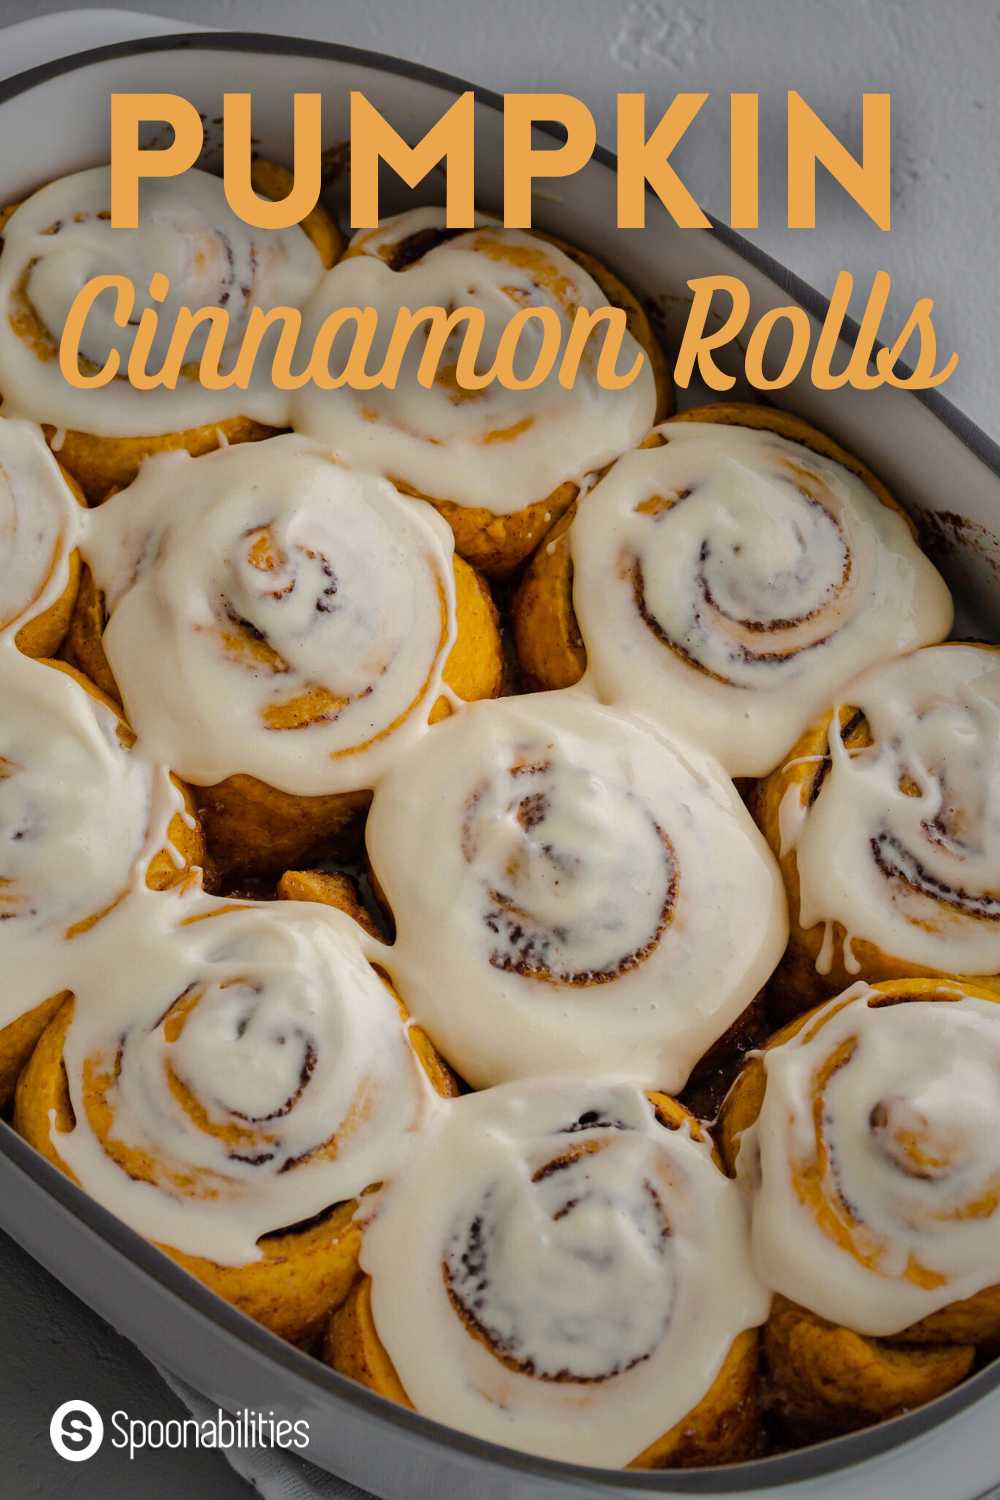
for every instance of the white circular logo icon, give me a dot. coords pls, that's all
(76, 1430)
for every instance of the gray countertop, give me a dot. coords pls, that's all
(939, 63)
(53, 1349)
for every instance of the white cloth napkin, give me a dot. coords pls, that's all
(273, 1473)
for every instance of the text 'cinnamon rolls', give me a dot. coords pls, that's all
(501, 464)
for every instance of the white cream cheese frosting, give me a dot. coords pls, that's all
(571, 891)
(252, 1054)
(728, 582)
(40, 522)
(497, 448)
(300, 614)
(580, 1273)
(901, 846)
(61, 237)
(875, 1180)
(78, 810)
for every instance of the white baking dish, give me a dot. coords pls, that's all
(54, 119)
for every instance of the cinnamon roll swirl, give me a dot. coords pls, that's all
(598, 896)
(727, 579)
(501, 465)
(61, 237)
(234, 1108)
(82, 818)
(307, 622)
(40, 519)
(886, 822)
(866, 1136)
(581, 1276)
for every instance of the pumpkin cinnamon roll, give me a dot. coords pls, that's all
(83, 820)
(234, 1107)
(500, 465)
(886, 822)
(306, 623)
(61, 237)
(728, 578)
(866, 1136)
(40, 521)
(598, 896)
(581, 1276)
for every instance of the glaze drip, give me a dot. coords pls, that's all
(901, 846)
(874, 1168)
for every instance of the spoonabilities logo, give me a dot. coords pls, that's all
(76, 1430)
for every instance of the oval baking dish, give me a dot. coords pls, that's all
(923, 447)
